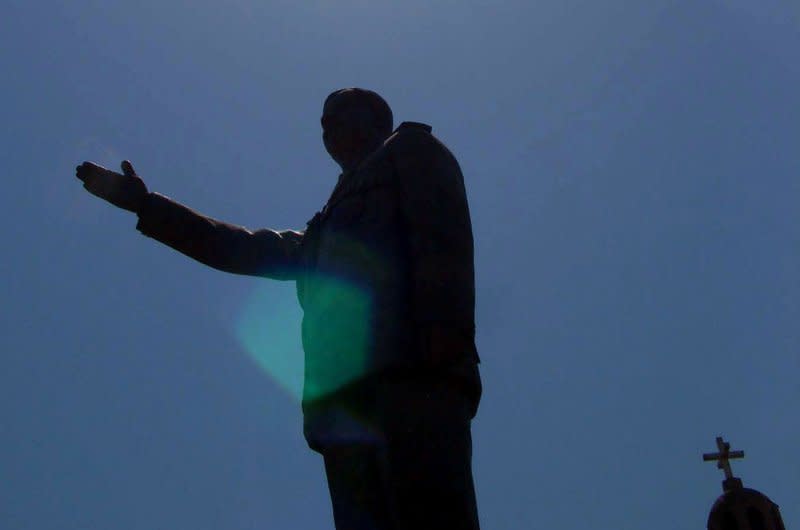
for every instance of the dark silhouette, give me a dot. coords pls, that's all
(384, 274)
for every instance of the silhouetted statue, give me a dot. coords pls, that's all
(385, 277)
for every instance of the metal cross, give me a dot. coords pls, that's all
(724, 456)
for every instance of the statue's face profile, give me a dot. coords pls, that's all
(350, 128)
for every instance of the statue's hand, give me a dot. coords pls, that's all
(124, 190)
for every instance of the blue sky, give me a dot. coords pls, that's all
(632, 173)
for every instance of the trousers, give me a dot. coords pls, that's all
(417, 473)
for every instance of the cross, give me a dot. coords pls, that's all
(724, 456)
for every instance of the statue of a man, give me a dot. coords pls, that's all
(385, 277)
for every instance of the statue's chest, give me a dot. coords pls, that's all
(357, 238)
(364, 205)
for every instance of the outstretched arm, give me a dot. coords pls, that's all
(224, 246)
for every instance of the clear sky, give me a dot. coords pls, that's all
(632, 170)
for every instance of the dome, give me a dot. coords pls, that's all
(744, 509)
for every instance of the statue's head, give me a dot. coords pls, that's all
(355, 122)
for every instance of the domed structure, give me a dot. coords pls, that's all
(744, 509)
(740, 508)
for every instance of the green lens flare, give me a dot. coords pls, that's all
(335, 335)
(268, 327)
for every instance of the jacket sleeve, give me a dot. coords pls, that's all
(436, 218)
(227, 247)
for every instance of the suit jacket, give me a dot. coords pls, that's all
(384, 272)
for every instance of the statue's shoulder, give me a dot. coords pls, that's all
(415, 138)
(410, 130)
(415, 126)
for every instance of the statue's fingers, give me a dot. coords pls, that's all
(94, 177)
(127, 168)
(82, 171)
(91, 187)
(99, 186)
(88, 170)
(89, 178)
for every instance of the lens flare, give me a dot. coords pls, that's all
(335, 335)
(268, 327)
